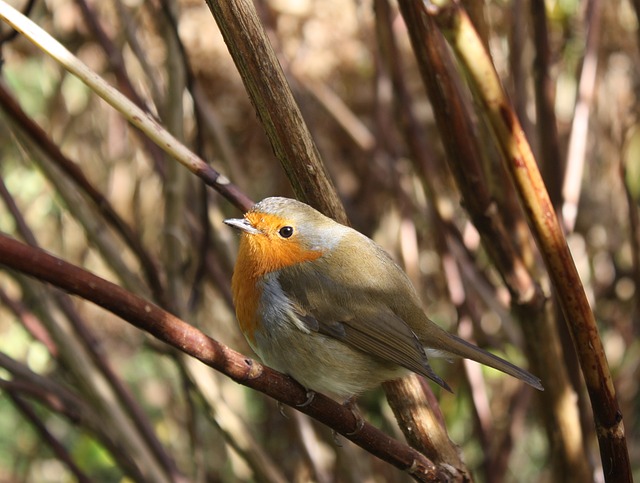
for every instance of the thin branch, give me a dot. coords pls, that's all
(136, 116)
(56, 446)
(69, 351)
(61, 400)
(634, 240)
(38, 136)
(550, 160)
(30, 322)
(577, 153)
(26, 11)
(413, 405)
(232, 428)
(118, 66)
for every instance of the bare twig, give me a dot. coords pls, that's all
(634, 240)
(550, 160)
(64, 402)
(69, 349)
(134, 114)
(26, 11)
(426, 433)
(118, 66)
(30, 322)
(54, 443)
(234, 430)
(580, 128)
(37, 135)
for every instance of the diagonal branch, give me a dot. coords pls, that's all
(136, 116)
(188, 339)
(271, 96)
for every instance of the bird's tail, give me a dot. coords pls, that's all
(451, 344)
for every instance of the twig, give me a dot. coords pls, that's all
(337, 109)
(38, 136)
(136, 116)
(61, 400)
(118, 66)
(425, 431)
(9, 36)
(634, 241)
(455, 125)
(177, 185)
(70, 352)
(580, 128)
(30, 322)
(550, 159)
(56, 446)
(232, 428)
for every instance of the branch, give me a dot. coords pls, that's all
(551, 162)
(54, 443)
(40, 138)
(136, 116)
(277, 109)
(546, 228)
(578, 141)
(188, 339)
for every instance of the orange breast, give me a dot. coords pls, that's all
(259, 255)
(246, 293)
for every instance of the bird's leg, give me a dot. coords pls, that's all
(350, 403)
(310, 396)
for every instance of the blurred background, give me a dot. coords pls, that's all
(55, 391)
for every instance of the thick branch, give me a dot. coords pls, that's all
(272, 98)
(188, 339)
(546, 228)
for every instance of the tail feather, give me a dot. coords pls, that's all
(455, 345)
(428, 372)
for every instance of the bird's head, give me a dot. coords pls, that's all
(280, 232)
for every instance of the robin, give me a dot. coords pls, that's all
(325, 304)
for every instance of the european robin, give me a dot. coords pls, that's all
(325, 304)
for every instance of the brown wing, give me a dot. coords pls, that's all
(375, 330)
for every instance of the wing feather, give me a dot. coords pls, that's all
(375, 330)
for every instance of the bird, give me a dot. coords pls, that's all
(328, 306)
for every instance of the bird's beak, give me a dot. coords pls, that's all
(243, 225)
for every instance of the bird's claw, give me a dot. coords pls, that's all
(281, 409)
(359, 423)
(353, 407)
(310, 397)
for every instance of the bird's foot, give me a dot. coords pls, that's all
(336, 438)
(350, 404)
(281, 409)
(310, 396)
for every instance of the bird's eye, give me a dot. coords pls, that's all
(286, 231)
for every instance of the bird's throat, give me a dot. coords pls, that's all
(259, 255)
